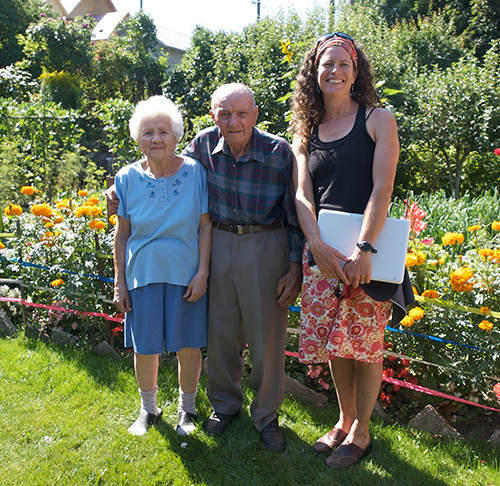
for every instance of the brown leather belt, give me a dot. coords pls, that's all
(248, 229)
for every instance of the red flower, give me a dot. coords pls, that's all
(497, 151)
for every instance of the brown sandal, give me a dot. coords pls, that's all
(331, 440)
(347, 455)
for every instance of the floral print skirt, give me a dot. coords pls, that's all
(339, 321)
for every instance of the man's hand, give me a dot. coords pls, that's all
(112, 200)
(290, 285)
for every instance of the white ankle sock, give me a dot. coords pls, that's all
(187, 402)
(149, 401)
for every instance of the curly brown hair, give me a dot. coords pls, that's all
(307, 102)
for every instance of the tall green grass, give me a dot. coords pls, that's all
(64, 416)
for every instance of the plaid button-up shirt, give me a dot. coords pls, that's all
(255, 189)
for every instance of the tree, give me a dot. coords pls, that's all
(130, 64)
(15, 17)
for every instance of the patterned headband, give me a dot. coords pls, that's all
(337, 41)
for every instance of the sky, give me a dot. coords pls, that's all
(228, 15)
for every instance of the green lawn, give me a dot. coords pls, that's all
(64, 416)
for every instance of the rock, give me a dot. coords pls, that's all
(105, 348)
(302, 393)
(62, 337)
(430, 420)
(6, 326)
(495, 437)
(380, 412)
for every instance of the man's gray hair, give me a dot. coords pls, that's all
(153, 106)
(230, 88)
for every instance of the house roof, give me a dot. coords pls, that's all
(107, 25)
(76, 8)
(172, 39)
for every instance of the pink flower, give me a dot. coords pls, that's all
(427, 241)
(415, 216)
(497, 151)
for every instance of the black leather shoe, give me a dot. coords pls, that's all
(144, 422)
(218, 422)
(272, 437)
(186, 423)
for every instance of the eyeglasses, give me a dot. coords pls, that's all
(325, 37)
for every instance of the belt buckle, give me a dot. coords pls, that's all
(236, 228)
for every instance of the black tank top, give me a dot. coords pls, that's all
(341, 170)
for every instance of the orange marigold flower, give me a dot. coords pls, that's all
(474, 227)
(486, 325)
(415, 291)
(82, 193)
(28, 190)
(64, 203)
(484, 309)
(411, 260)
(407, 321)
(2, 246)
(430, 294)
(495, 225)
(13, 210)
(92, 201)
(58, 219)
(49, 224)
(42, 210)
(112, 219)
(416, 313)
(57, 282)
(96, 224)
(460, 279)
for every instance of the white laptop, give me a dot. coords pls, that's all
(341, 231)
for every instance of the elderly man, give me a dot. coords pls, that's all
(255, 269)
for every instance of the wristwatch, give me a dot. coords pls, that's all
(365, 246)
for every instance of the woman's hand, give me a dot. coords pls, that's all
(196, 288)
(327, 258)
(122, 299)
(359, 268)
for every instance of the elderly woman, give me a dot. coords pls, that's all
(346, 148)
(162, 253)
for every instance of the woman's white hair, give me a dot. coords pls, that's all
(153, 106)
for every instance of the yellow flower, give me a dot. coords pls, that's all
(460, 279)
(495, 225)
(82, 193)
(407, 321)
(8, 212)
(64, 203)
(484, 309)
(58, 219)
(42, 210)
(415, 291)
(416, 313)
(474, 227)
(411, 260)
(430, 294)
(421, 257)
(57, 282)
(452, 239)
(2, 246)
(28, 190)
(486, 325)
(112, 219)
(434, 263)
(13, 210)
(96, 224)
(92, 201)
(489, 254)
(441, 261)
(49, 224)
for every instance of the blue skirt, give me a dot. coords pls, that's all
(162, 320)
